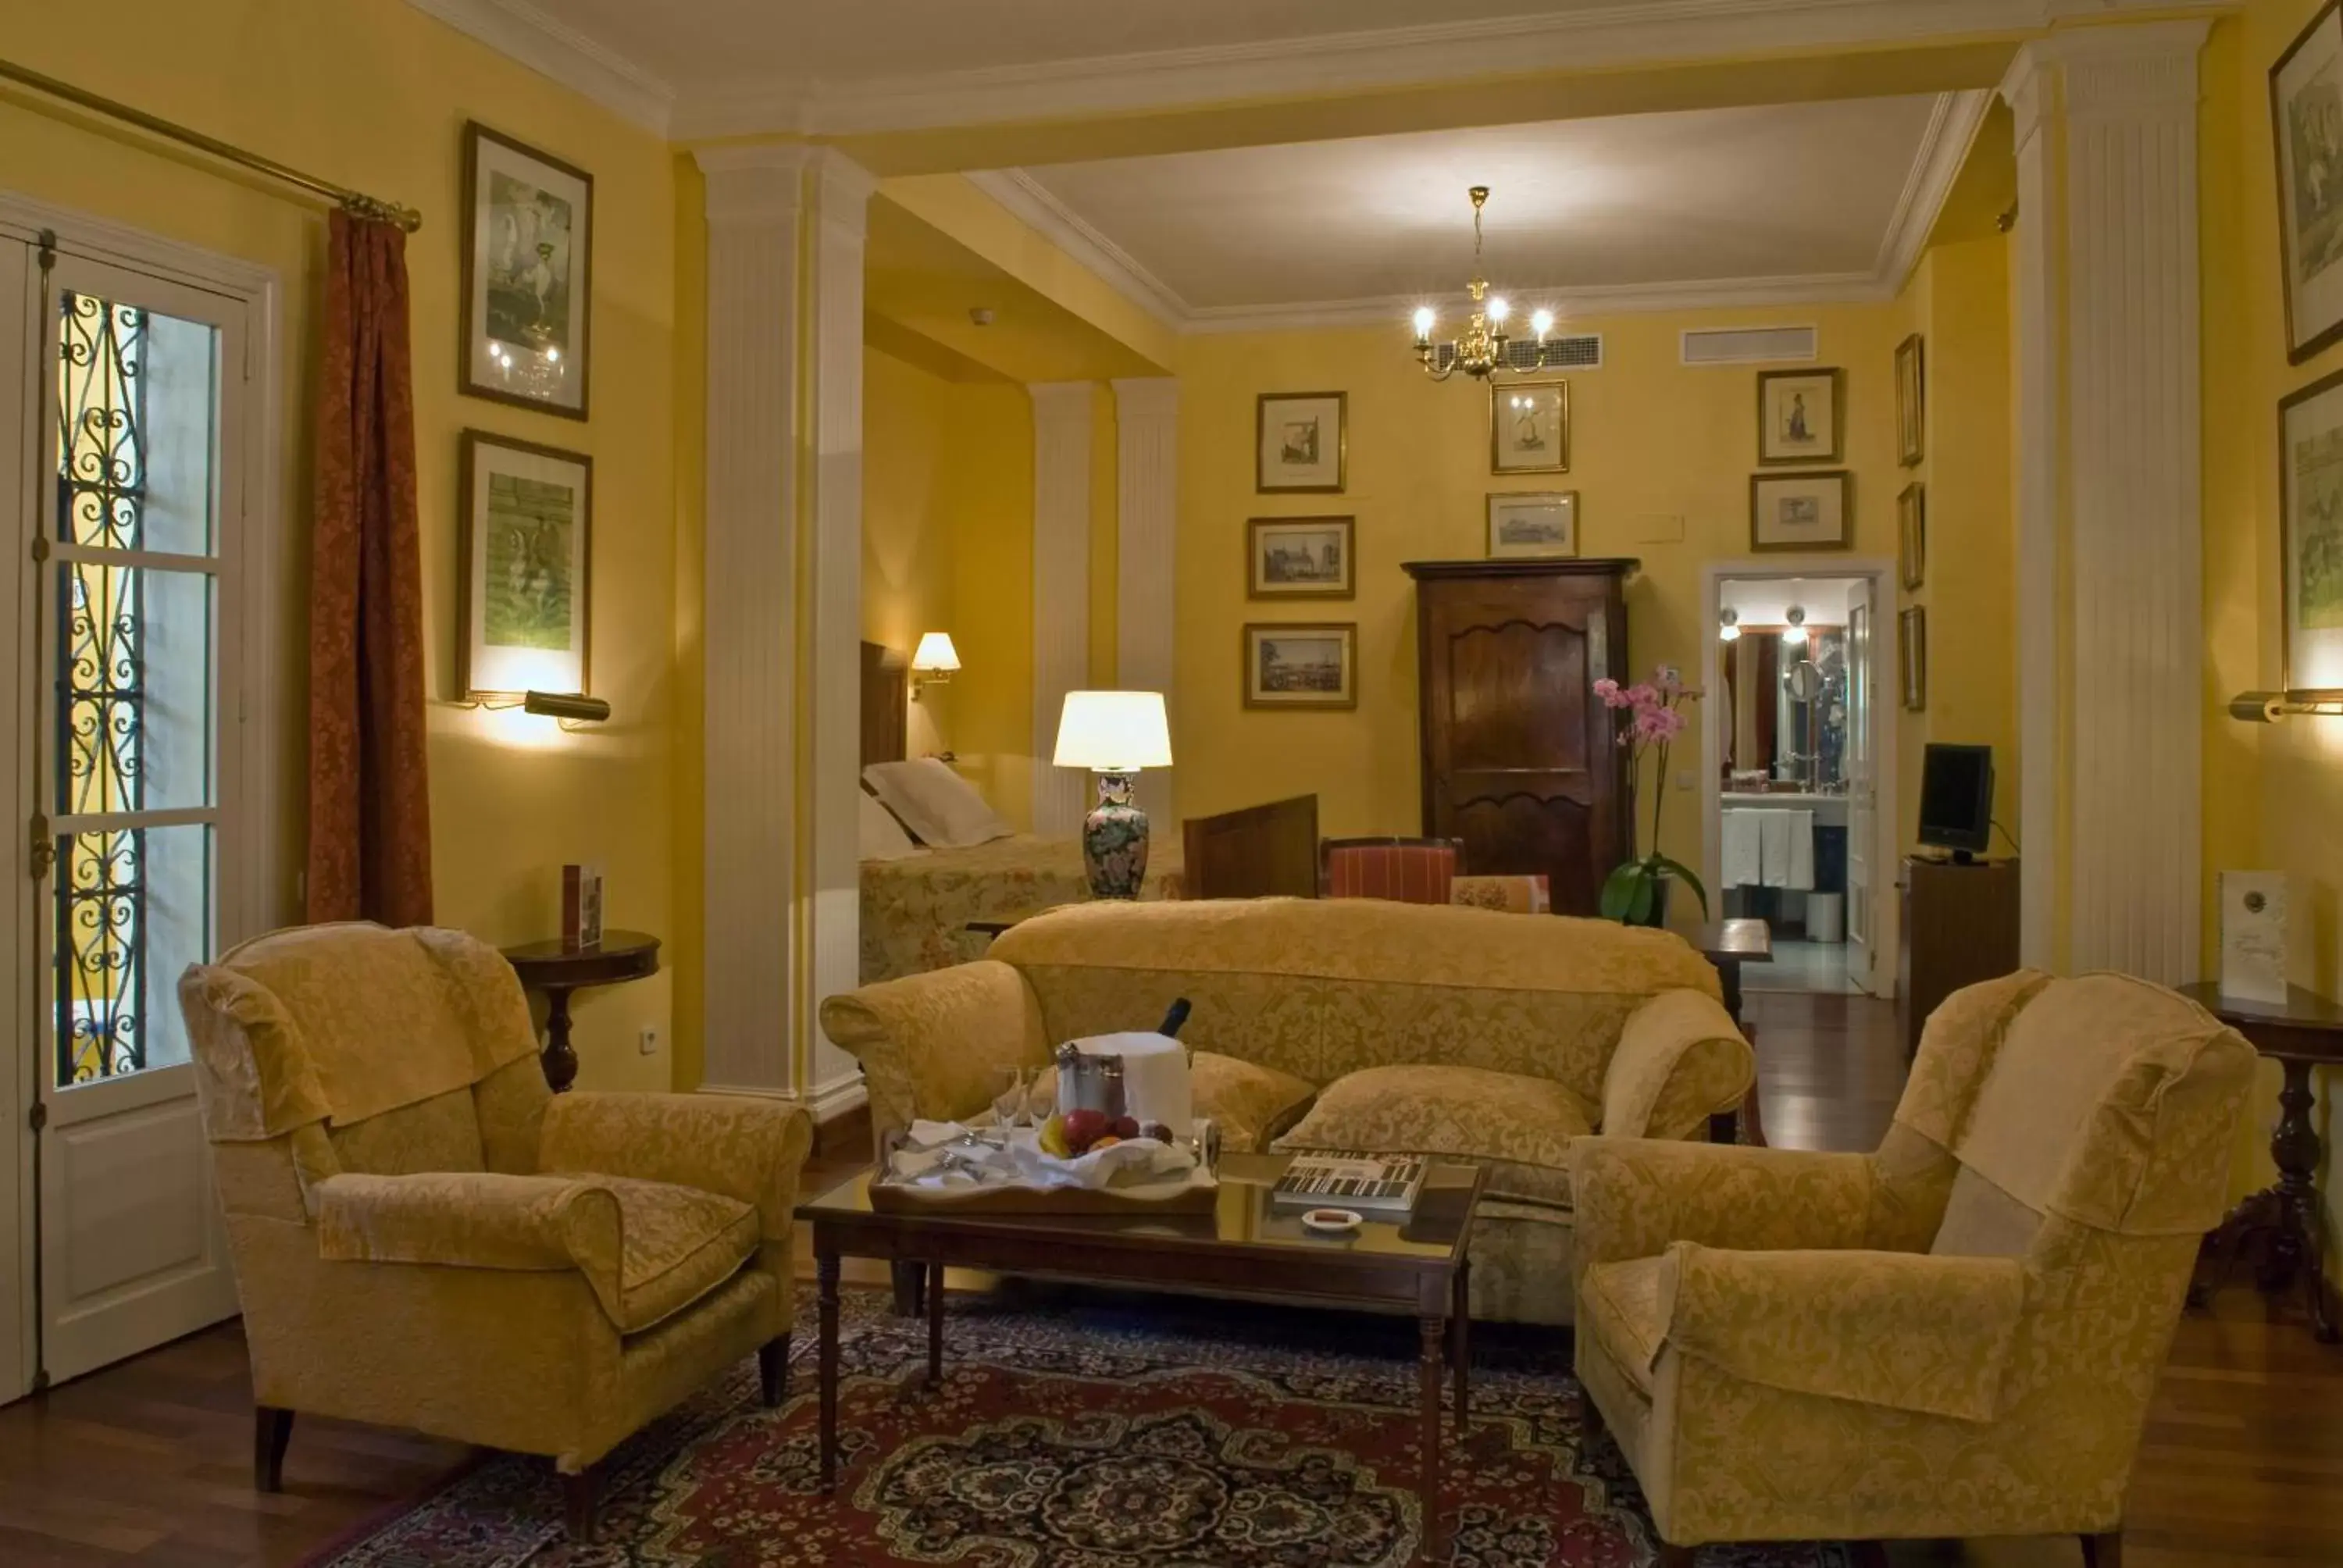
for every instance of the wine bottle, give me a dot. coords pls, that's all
(1174, 1019)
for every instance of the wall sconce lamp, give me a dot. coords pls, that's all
(933, 662)
(1729, 626)
(1795, 636)
(566, 706)
(2269, 706)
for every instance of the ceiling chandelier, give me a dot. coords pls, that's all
(1482, 351)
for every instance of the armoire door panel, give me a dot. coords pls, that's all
(1515, 696)
(1551, 834)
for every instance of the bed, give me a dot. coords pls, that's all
(916, 910)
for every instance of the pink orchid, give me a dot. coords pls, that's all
(1643, 696)
(1608, 690)
(1658, 724)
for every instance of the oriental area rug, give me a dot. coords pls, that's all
(1085, 1432)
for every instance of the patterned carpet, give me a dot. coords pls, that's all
(1085, 1432)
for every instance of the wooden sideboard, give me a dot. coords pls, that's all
(1959, 927)
(1519, 758)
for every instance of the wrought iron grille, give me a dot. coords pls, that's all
(101, 987)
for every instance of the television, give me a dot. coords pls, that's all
(1957, 799)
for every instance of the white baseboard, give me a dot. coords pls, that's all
(841, 1096)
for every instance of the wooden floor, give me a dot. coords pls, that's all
(149, 1461)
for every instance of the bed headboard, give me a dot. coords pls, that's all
(884, 691)
(1259, 852)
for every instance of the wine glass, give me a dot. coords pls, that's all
(1008, 1102)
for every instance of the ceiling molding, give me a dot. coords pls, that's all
(1028, 200)
(521, 32)
(1570, 306)
(1944, 148)
(1595, 37)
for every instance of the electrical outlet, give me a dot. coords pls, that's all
(1672, 672)
(647, 1043)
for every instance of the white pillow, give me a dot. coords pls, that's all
(883, 837)
(940, 808)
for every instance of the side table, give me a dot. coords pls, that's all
(2280, 1224)
(1729, 944)
(556, 970)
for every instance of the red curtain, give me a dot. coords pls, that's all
(369, 795)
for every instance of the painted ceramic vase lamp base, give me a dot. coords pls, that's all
(1114, 840)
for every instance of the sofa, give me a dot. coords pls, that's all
(1957, 1335)
(1350, 1023)
(424, 1236)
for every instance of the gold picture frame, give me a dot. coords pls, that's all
(2304, 97)
(1297, 678)
(1912, 654)
(1291, 453)
(1802, 511)
(1911, 401)
(524, 595)
(1790, 405)
(2310, 513)
(525, 326)
(1529, 427)
(1912, 535)
(1531, 524)
(1301, 558)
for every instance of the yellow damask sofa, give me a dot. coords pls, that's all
(425, 1237)
(1385, 1025)
(1955, 1336)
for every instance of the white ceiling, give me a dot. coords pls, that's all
(1787, 194)
(1766, 601)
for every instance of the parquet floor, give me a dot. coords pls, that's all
(149, 1461)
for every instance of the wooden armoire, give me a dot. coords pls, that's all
(1519, 757)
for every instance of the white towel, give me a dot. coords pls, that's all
(1741, 856)
(1787, 851)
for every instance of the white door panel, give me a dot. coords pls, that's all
(19, 405)
(1861, 791)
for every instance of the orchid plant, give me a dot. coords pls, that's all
(1650, 716)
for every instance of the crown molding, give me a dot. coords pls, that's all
(521, 32)
(1032, 204)
(1944, 148)
(1567, 304)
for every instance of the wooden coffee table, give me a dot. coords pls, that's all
(1245, 1248)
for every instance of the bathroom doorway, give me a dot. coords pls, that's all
(1797, 807)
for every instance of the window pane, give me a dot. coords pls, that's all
(137, 446)
(134, 716)
(134, 909)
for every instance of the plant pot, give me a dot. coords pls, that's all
(1658, 915)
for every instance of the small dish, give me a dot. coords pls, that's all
(1331, 1222)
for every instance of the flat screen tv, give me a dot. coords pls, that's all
(1957, 799)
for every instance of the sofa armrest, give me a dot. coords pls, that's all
(929, 1043)
(470, 1220)
(733, 1144)
(1681, 1060)
(1634, 1196)
(1906, 1330)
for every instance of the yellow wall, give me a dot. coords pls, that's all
(907, 530)
(990, 712)
(374, 94)
(1649, 438)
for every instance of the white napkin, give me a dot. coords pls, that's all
(938, 1154)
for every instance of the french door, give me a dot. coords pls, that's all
(1862, 790)
(129, 407)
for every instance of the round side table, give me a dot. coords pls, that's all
(556, 970)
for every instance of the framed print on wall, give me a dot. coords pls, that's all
(1911, 401)
(1534, 523)
(1299, 557)
(1300, 446)
(1309, 666)
(2306, 88)
(1798, 416)
(1801, 511)
(1912, 534)
(2310, 493)
(528, 244)
(526, 515)
(1912, 652)
(1529, 427)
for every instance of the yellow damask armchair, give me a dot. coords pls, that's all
(1955, 1336)
(425, 1237)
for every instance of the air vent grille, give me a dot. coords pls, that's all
(1750, 345)
(1582, 351)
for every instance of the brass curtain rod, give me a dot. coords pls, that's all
(358, 202)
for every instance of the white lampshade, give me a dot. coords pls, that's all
(1113, 731)
(935, 652)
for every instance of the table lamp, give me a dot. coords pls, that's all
(1114, 734)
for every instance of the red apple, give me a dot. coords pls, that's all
(1126, 1127)
(1084, 1128)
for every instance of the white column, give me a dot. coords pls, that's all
(833, 654)
(1062, 590)
(1147, 514)
(2108, 352)
(748, 636)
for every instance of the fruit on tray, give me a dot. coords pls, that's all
(1109, 1141)
(1085, 1128)
(1158, 1131)
(1125, 1127)
(1052, 1138)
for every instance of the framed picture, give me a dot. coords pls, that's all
(1301, 444)
(1911, 400)
(528, 245)
(1534, 523)
(1912, 651)
(2310, 504)
(1299, 557)
(1912, 534)
(1529, 427)
(1798, 416)
(526, 515)
(2306, 88)
(1313, 666)
(1801, 511)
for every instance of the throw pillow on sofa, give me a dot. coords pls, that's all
(1518, 1127)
